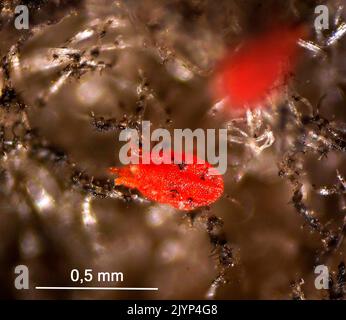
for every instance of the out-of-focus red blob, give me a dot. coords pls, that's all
(183, 186)
(259, 67)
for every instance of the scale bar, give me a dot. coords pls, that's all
(98, 288)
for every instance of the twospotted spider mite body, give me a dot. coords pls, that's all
(257, 69)
(185, 186)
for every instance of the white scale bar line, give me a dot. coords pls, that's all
(97, 288)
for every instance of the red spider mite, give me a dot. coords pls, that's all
(182, 186)
(259, 67)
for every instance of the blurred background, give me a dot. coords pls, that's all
(86, 69)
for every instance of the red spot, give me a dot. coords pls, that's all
(259, 67)
(184, 186)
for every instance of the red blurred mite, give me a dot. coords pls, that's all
(259, 67)
(183, 186)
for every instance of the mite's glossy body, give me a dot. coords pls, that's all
(183, 186)
(259, 67)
